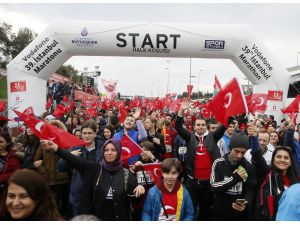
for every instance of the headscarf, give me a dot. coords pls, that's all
(117, 164)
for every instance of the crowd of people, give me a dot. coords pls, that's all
(247, 170)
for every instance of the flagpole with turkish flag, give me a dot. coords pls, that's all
(229, 101)
(292, 109)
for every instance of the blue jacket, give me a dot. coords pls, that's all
(152, 205)
(76, 186)
(289, 204)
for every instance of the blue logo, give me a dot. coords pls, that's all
(84, 32)
(215, 44)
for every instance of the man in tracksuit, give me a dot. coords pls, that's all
(202, 150)
(233, 178)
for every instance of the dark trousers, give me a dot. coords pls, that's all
(201, 196)
(61, 195)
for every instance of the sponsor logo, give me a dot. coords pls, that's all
(214, 44)
(84, 40)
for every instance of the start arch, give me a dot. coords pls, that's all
(29, 71)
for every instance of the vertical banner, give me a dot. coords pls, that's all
(189, 90)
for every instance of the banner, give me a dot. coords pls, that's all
(275, 95)
(189, 90)
(80, 95)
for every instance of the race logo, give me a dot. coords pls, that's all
(18, 86)
(215, 44)
(155, 44)
(83, 40)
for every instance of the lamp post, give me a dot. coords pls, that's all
(297, 58)
(199, 83)
(168, 80)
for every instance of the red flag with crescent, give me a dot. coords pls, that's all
(29, 111)
(257, 102)
(33, 123)
(129, 148)
(60, 137)
(230, 101)
(2, 106)
(153, 170)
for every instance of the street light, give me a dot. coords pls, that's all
(168, 80)
(191, 72)
(297, 58)
(199, 83)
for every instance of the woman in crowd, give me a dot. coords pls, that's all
(108, 132)
(168, 200)
(9, 162)
(30, 144)
(46, 164)
(275, 179)
(27, 197)
(274, 140)
(106, 184)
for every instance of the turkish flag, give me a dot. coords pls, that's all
(205, 113)
(29, 111)
(157, 104)
(153, 170)
(60, 137)
(33, 123)
(49, 103)
(59, 111)
(105, 104)
(217, 86)
(2, 106)
(175, 105)
(66, 98)
(129, 148)
(293, 107)
(230, 101)
(167, 101)
(4, 118)
(189, 90)
(257, 102)
(91, 111)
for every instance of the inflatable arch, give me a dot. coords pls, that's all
(29, 71)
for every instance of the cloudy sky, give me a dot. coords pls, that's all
(277, 25)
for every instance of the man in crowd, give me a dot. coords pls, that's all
(233, 182)
(264, 139)
(223, 144)
(202, 150)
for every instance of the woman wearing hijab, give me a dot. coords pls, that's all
(107, 185)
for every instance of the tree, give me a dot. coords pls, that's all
(21, 40)
(5, 43)
(70, 72)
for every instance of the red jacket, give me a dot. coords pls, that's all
(12, 163)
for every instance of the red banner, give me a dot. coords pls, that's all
(80, 95)
(275, 95)
(189, 90)
(18, 86)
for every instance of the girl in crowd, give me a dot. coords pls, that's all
(27, 197)
(9, 162)
(168, 199)
(106, 184)
(272, 180)
(108, 132)
(30, 144)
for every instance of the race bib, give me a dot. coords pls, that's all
(182, 150)
(141, 179)
(168, 148)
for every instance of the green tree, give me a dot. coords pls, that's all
(21, 40)
(70, 72)
(5, 43)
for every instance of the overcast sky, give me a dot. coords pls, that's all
(277, 25)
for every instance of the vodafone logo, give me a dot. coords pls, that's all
(274, 107)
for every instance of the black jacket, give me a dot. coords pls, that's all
(228, 186)
(93, 200)
(158, 149)
(210, 141)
